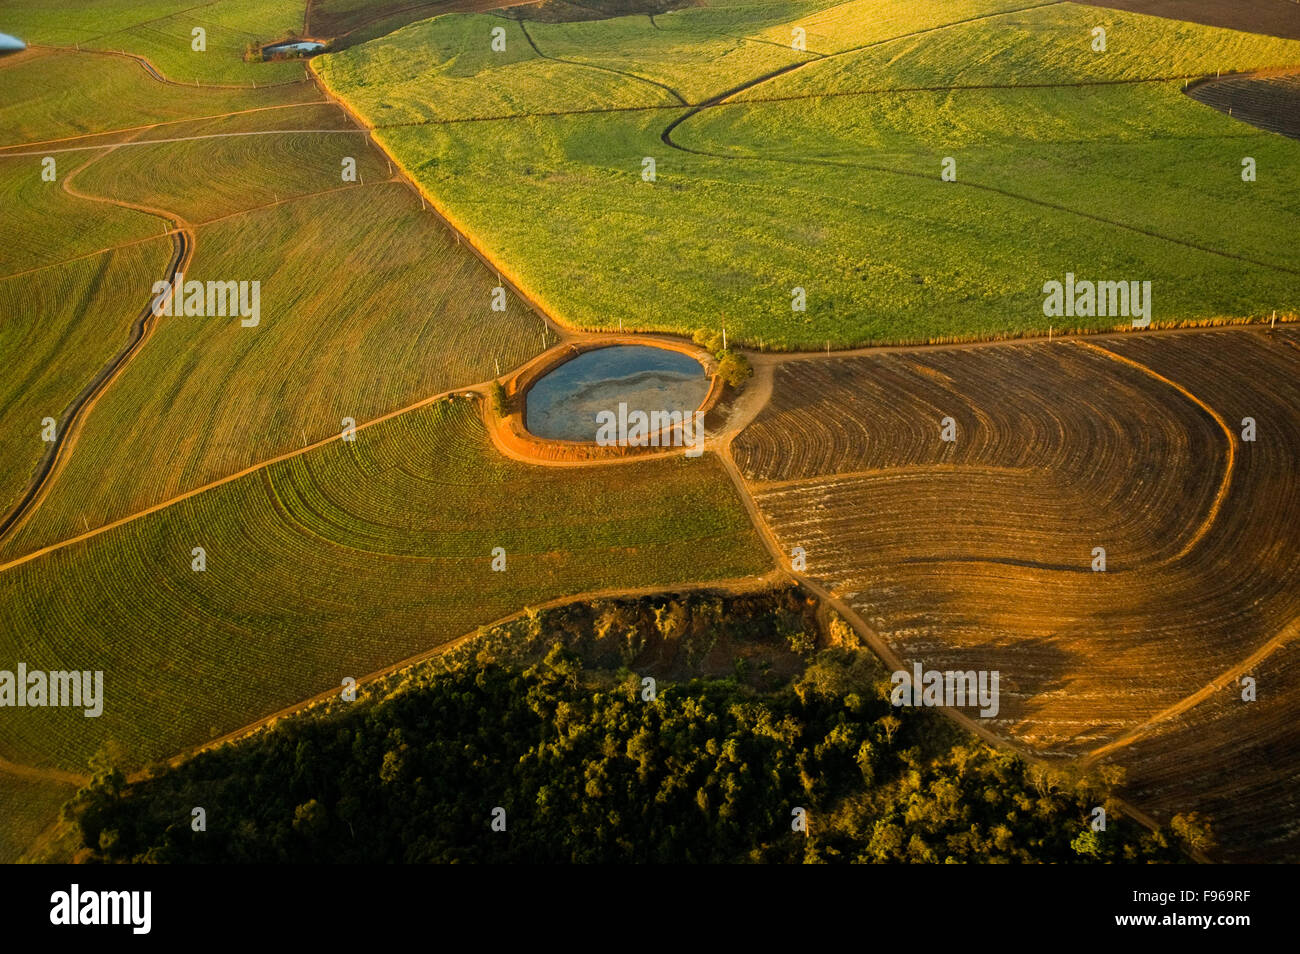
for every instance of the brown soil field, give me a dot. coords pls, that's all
(1237, 760)
(1271, 103)
(1271, 17)
(977, 554)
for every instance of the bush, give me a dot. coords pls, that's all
(710, 341)
(500, 403)
(733, 368)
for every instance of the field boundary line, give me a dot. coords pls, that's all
(997, 190)
(251, 469)
(198, 225)
(732, 585)
(1226, 482)
(56, 457)
(154, 72)
(1024, 339)
(154, 142)
(592, 66)
(562, 331)
(32, 773)
(1220, 682)
(1246, 133)
(754, 82)
(165, 122)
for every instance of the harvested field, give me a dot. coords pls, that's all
(1237, 761)
(1271, 103)
(1273, 17)
(978, 554)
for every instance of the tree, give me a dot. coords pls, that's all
(500, 403)
(733, 368)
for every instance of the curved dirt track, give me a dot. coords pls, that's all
(70, 422)
(990, 483)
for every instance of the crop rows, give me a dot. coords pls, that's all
(979, 554)
(1269, 102)
(58, 327)
(366, 307)
(336, 563)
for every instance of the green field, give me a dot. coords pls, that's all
(841, 194)
(82, 315)
(57, 226)
(26, 809)
(285, 165)
(161, 31)
(44, 96)
(336, 563)
(365, 301)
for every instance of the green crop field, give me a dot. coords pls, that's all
(384, 548)
(49, 352)
(824, 172)
(369, 303)
(27, 807)
(44, 96)
(284, 165)
(55, 225)
(161, 31)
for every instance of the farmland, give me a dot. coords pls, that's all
(162, 32)
(820, 169)
(238, 513)
(378, 542)
(416, 319)
(979, 552)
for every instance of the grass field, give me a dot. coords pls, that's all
(336, 563)
(841, 195)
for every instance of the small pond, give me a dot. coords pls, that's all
(564, 402)
(299, 48)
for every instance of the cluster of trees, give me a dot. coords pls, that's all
(733, 367)
(553, 761)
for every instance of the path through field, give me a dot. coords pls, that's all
(967, 556)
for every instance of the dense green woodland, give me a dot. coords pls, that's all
(588, 771)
